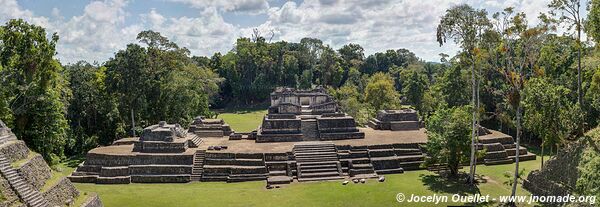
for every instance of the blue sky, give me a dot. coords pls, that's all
(94, 30)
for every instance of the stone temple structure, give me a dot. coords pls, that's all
(305, 115)
(500, 148)
(304, 137)
(204, 127)
(396, 120)
(26, 179)
(163, 153)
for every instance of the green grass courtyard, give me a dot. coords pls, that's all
(244, 120)
(329, 193)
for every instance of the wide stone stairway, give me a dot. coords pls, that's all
(195, 142)
(317, 161)
(310, 130)
(197, 168)
(24, 190)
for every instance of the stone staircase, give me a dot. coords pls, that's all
(27, 194)
(361, 165)
(198, 164)
(502, 150)
(4, 138)
(317, 161)
(310, 130)
(305, 110)
(278, 177)
(195, 142)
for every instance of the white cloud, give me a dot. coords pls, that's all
(106, 26)
(10, 9)
(204, 35)
(153, 17)
(244, 6)
(97, 33)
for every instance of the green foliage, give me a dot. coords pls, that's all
(414, 89)
(186, 93)
(93, 115)
(545, 107)
(593, 92)
(453, 87)
(351, 102)
(463, 24)
(159, 83)
(380, 92)
(33, 95)
(510, 177)
(384, 61)
(592, 25)
(448, 132)
(588, 182)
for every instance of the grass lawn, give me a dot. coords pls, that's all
(243, 120)
(330, 193)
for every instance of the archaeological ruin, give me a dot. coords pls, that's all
(304, 137)
(305, 115)
(28, 181)
(396, 120)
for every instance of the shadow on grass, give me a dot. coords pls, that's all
(454, 185)
(451, 185)
(538, 150)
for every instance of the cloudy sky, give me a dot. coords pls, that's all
(95, 30)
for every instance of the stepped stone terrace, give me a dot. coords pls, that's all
(204, 127)
(305, 115)
(163, 153)
(26, 179)
(395, 120)
(307, 145)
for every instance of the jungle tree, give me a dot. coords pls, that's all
(465, 25)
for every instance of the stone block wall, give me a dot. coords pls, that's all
(160, 178)
(160, 169)
(114, 171)
(322, 108)
(288, 108)
(397, 115)
(165, 147)
(281, 126)
(7, 192)
(35, 171)
(139, 159)
(61, 192)
(336, 124)
(14, 150)
(261, 138)
(404, 125)
(92, 201)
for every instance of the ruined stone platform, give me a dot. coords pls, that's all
(372, 137)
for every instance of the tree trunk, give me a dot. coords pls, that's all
(474, 128)
(132, 123)
(542, 167)
(477, 121)
(579, 89)
(516, 178)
